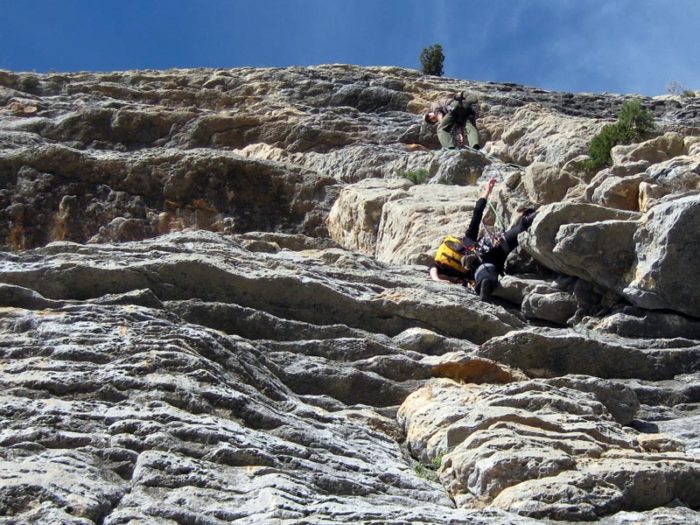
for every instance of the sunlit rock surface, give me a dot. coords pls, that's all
(214, 304)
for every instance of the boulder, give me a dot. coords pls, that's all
(666, 244)
(515, 289)
(557, 307)
(578, 168)
(588, 241)
(545, 183)
(677, 175)
(649, 195)
(460, 167)
(656, 150)
(398, 222)
(412, 227)
(622, 193)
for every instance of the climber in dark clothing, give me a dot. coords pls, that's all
(480, 263)
(454, 117)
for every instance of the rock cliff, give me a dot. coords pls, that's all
(214, 305)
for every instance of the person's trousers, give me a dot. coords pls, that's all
(447, 130)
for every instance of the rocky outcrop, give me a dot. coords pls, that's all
(666, 258)
(214, 304)
(398, 222)
(149, 402)
(556, 352)
(532, 448)
(541, 134)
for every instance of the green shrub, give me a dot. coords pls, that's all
(429, 472)
(635, 120)
(431, 60)
(603, 142)
(425, 472)
(633, 123)
(437, 461)
(419, 176)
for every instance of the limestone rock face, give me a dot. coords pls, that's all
(592, 242)
(667, 246)
(316, 286)
(537, 133)
(68, 194)
(654, 151)
(545, 184)
(146, 416)
(215, 305)
(404, 224)
(557, 352)
(357, 212)
(532, 448)
(413, 225)
(557, 307)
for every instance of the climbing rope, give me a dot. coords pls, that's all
(498, 217)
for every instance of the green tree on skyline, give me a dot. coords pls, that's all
(431, 60)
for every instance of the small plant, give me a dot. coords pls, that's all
(633, 123)
(437, 461)
(431, 60)
(419, 176)
(425, 472)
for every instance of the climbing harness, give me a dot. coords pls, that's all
(492, 237)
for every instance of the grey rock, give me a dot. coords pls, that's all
(531, 447)
(556, 352)
(620, 400)
(666, 241)
(591, 242)
(678, 515)
(545, 183)
(556, 307)
(314, 286)
(637, 322)
(181, 341)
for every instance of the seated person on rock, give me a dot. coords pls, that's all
(478, 262)
(453, 116)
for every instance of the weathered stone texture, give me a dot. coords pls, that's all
(214, 304)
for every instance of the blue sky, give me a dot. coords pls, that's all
(620, 46)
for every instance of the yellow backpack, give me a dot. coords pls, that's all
(450, 254)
